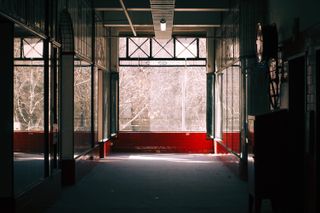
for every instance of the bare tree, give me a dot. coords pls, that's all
(28, 97)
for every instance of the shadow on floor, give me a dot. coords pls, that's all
(197, 183)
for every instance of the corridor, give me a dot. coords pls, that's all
(160, 106)
(188, 183)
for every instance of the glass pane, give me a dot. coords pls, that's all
(28, 125)
(162, 48)
(195, 98)
(231, 108)
(186, 48)
(32, 48)
(163, 63)
(17, 47)
(202, 47)
(162, 99)
(139, 47)
(122, 47)
(82, 107)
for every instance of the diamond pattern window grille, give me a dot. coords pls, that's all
(32, 48)
(139, 47)
(144, 51)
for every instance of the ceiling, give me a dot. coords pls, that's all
(142, 17)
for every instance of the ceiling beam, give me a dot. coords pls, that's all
(162, 10)
(128, 17)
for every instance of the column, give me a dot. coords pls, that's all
(211, 86)
(114, 84)
(6, 116)
(67, 118)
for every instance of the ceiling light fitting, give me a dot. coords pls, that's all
(163, 24)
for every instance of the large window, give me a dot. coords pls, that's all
(28, 112)
(231, 99)
(82, 107)
(153, 52)
(162, 99)
(227, 108)
(162, 84)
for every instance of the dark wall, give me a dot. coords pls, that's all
(284, 12)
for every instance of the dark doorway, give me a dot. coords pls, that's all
(297, 99)
(297, 126)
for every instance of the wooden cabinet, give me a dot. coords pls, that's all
(269, 159)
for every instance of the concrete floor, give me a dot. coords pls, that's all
(28, 170)
(186, 183)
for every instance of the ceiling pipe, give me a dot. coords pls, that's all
(128, 17)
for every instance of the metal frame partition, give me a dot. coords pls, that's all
(174, 52)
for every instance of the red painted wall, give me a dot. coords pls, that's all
(230, 140)
(107, 148)
(168, 142)
(30, 142)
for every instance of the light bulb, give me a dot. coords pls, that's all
(163, 25)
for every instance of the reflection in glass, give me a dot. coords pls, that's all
(82, 107)
(231, 108)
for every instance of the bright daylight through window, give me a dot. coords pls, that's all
(166, 93)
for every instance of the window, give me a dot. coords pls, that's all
(163, 90)
(29, 112)
(162, 52)
(82, 107)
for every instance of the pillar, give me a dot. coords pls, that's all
(6, 116)
(67, 118)
(114, 83)
(211, 86)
